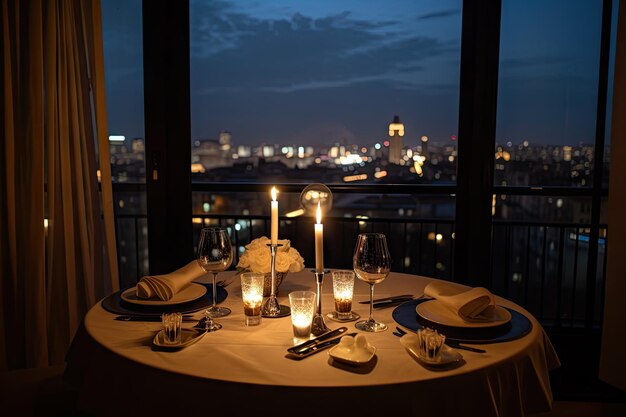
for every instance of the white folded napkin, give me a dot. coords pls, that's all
(167, 285)
(477, 304)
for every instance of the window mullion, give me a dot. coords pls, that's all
(168, 144)
(480, 46)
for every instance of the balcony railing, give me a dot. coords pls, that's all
(543, 267)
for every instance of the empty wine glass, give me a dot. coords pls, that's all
(215, 254)
(371, 264)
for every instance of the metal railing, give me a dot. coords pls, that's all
(543, 267)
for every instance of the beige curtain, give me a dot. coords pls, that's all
(54, 130)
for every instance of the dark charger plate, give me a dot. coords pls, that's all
(405, 315)
(114, 304)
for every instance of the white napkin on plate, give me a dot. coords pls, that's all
(477, 304)
(168, 285)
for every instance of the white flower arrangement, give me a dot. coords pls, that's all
(256, 257)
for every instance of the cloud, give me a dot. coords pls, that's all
(231, 49)
(439, 15)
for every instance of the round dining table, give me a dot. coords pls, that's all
(242, 370)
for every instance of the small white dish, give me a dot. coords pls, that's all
(437, 312)
(191, 292)
(353, 350)
(187, 338)
(448, 355)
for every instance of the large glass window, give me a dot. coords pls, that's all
(123, 66)
(356, 92)
(547, 93)
(336, 92)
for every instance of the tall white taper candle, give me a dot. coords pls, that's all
(319, 241)
(274, 218)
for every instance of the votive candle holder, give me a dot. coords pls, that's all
(252, 295)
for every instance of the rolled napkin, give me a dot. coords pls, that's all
(477, 304)
(168, 285)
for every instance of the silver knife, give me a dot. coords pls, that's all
(316, 348)
(393, 297)
(310, 343)
(391, 303)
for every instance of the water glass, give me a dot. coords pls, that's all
(172, 323)
(252, 294)
(302, 311)
(343, 291)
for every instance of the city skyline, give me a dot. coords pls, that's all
(300, 73)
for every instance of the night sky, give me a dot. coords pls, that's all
(303, 72)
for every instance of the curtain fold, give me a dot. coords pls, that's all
(51, 275)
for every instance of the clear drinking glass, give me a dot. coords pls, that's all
(372, 264)
(215, 254)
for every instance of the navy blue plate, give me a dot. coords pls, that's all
(114, 303)
(406, 316)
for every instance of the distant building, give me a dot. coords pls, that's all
(210, 154)
(225, 140)
(138, 147)
(396, 132)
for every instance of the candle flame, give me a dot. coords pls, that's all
(319, 213)
(274, 192)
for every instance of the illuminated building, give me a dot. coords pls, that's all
(396, 132)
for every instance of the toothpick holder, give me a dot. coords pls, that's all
(318, 326)
(271, 308)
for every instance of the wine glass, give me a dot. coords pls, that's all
(215, 254)
(371, 264)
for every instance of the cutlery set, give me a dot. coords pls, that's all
(131, 317)
(318, 344)
(394, 301)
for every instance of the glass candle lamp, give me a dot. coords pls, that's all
(252, 294)
(343, 291)
(302, 311)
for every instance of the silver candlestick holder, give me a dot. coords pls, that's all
(318, 326)
(271, 308)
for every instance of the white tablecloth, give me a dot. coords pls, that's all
(244, 368)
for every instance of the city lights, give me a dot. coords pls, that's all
(430, 159)
(295, 213)
(358, 177)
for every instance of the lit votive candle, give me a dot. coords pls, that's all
(343, 291)
(302, 310)
(252, 294)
